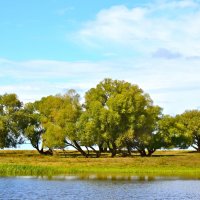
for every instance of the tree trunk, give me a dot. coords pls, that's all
(88, 152)
(150, 152)
(98, 153)
(80, 149)
(142, 152)
(42, 152)
(113, 153)
(100, 147)
(198, 145)
(197, 148)
(129, 150)
(105, 150)
(114, 150)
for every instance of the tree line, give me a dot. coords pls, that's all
(116, 117)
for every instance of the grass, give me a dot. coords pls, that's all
(163, 163)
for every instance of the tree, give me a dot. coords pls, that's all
(124, 115)
(171, 133)
(146, 138)
(191, 121)
(60, 114)
(33, 129)
(10, 131)
(89, 129)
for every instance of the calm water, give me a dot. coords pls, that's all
(72, 187)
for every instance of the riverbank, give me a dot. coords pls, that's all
(162, 163)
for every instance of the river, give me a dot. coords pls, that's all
(92, 187)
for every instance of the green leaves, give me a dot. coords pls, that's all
(10, 129)
(116, 115)
(120, 109)
(59, 115)
(190, 121)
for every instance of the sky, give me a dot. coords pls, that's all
(50, 46)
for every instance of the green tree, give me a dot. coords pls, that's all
(33, 129)
(60, 114)
(171, 133)
(146, 138)
(124, 115)
(89, 129)
(10, 131)
(191, 121)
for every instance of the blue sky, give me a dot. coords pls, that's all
(49, 46)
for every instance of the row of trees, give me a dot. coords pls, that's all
(116, 116)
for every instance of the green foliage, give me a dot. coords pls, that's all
(59, 115)
(190, 120)
(172, 133)
(54, 136)
(121, 115)
(10, 132)
(116, 116)
(32, 125)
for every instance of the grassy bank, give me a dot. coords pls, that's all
(163, 163)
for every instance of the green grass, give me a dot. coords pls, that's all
(163, 163)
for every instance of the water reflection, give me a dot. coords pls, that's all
(98, 187)
(112, 177)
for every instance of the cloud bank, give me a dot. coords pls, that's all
(171, 25)
(155, 46)
(174, 85)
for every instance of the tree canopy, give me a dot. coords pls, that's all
(10, 129)
(116, 116)
(190, 121)
(121, 115)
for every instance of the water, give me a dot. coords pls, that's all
(73, 188)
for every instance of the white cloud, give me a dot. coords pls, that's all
(161, 40)
(160, 43)
(36, 78)
(173, 25)
(48, 68)
(163, 4)
(173, 84)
